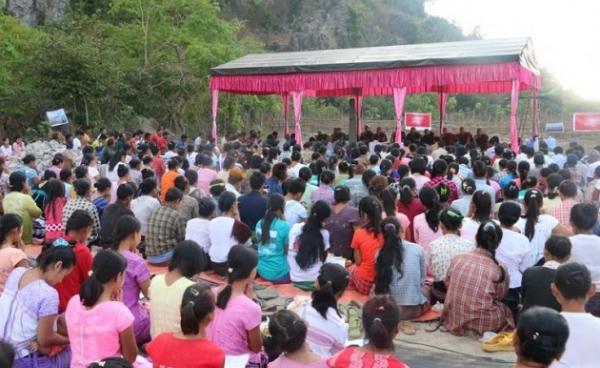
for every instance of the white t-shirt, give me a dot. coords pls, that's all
(294, 171)
(142, 207)
(585, 249)
(581, 350)
(543, 231)
(294, 212)
(196, 229)
(296, 273)
(514, 252)
(76, 143)
(5, 151)
(221, 240)
(592, 169)
(325, 337)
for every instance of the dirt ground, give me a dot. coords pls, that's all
(442, 349)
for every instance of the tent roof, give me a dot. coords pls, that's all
(496, 51)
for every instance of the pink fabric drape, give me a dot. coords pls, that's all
(514, 104)
(535, 107)
(358, 108)
(297, 98)
(215, 108)
(399, 95)
(285, 101)
(477, 78)
(442, 101)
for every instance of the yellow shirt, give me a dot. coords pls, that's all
(165, 304)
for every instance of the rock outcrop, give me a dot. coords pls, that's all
(35, 12)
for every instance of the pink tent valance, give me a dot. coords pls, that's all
(478, 78)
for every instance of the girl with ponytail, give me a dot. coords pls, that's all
(98, 322)
(327, 330)
(480, 211)
(127, 235)
(366, 242)
(537, 226)
(236, 324)
(11, 247)
(409, 203)
(286, 343)
(190, 347)
(380, 319)
(29, 310)
(426, 226)
(401, 274)
(272, 235)
(308, 245)
(477, 284)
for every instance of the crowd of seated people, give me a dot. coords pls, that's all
(504, 242)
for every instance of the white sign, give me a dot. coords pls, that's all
(555, 127)
(57, 117)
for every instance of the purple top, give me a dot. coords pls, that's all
(341, 229)
(323, 193)
(135, 274)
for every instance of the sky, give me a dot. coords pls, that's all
(565, 34)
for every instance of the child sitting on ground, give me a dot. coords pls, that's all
(287, 341)
(572, 288)
(78, 230)
(98, 323)
(11, 252)
(236, 325)
(137, 277)
(380, 318)
(192, 347)
(327, 331)
(540, 337)
(535, 285)
(197, 228)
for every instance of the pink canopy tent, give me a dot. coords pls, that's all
(482, 66)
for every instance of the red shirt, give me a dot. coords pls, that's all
(368, 245)
(71, 284)
(160, 142)
(359, 358)
(158, 165)
(168, 351)
(411, 211)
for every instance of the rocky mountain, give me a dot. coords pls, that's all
(35, 12)
(290, 25)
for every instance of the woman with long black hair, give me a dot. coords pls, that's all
(477, 284)
(272, 235)
(426, 226)
(366, 242)
(537, 226)
(308, 245)
(401, 273)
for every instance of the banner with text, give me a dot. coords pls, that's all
(586, 122)
(417, 120)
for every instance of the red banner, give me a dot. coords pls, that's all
(586, 122)
(417, 120)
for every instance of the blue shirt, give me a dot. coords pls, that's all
(272, 262)
(274, 185)
(30, 174)
(252, 206)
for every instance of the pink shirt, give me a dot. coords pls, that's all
(230, 326)
(205, 176)
(423, 234)
(94, 333)
(9, 258)
(284, 362)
